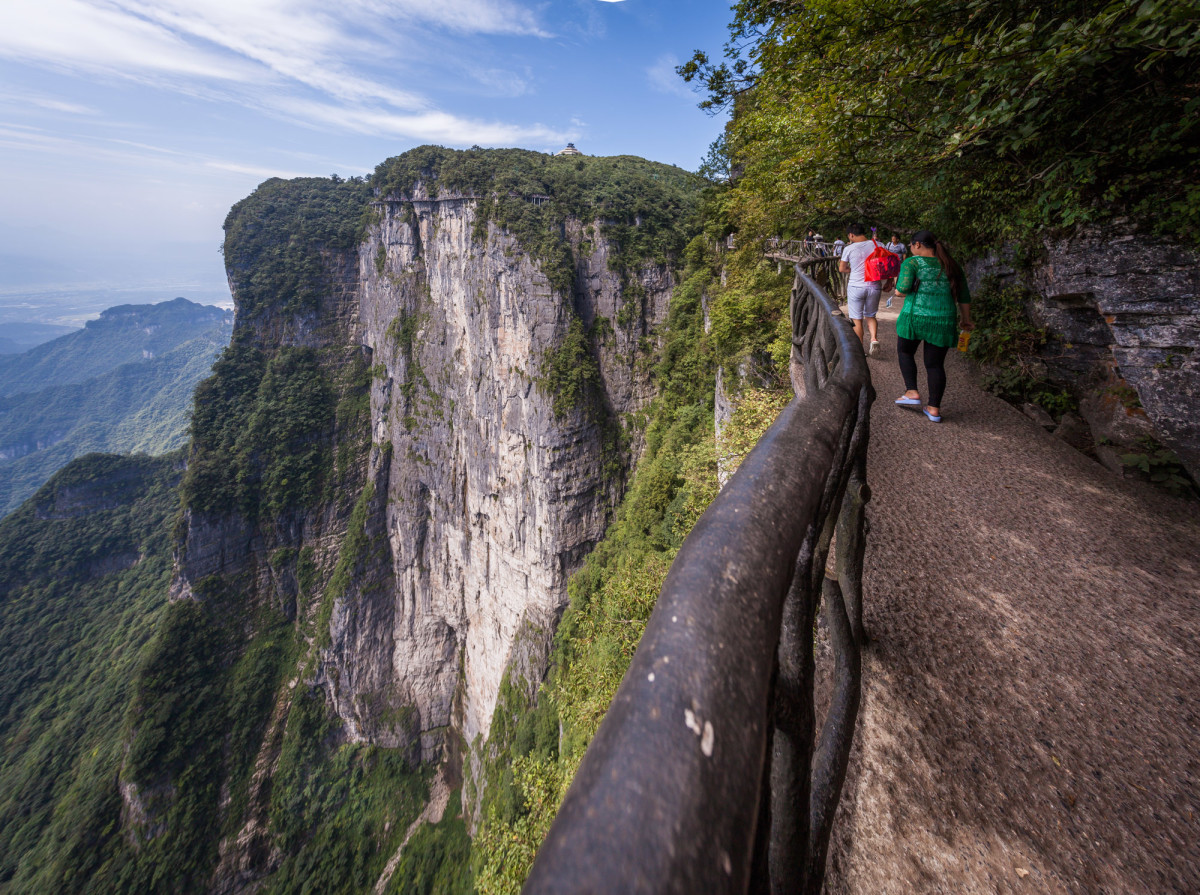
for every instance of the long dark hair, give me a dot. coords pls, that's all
(952, 268)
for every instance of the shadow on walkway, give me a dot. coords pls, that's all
(1031, 694)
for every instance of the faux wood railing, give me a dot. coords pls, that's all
(709, 773)
(817, 259)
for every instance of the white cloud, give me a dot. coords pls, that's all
(430, 126)
(80, 35)
(144, 157)
(662, 77)
(269, 54)
(465, 16)
(23, 100)
(254, 170)
(58, 105)
(294, 43)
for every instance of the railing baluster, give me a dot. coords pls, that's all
(852, 523)
(837, 734)
(794, 722)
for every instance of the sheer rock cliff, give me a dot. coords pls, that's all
(492, 501)
(455, 510)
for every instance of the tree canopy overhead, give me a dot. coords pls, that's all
(983, 119)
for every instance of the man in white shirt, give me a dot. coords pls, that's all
(838, 245)
(861, 296)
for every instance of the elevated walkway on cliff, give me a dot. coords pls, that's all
(1023, 716)
(1031, 691)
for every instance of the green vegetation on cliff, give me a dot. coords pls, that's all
(1005, 342)
(130, 726)
(529, 760)
(570, 373)
(278, 239)
(437, 860)
(642, 207)
(261, 432)
(983, 120)
(340, 810)
(280, 435)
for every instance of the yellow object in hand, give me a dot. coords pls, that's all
(964, 339)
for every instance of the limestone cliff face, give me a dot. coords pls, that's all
(486, 501)
(421, 427)
(475, 499)
(1123, 308)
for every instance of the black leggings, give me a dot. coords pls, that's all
(935, 369)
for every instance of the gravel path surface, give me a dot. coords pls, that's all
(1031, 694)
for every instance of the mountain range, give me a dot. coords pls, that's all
(123, 383)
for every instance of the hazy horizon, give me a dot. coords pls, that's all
(131, 126)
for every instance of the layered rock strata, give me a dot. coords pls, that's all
(1122, 309)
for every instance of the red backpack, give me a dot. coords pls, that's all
(881, 264)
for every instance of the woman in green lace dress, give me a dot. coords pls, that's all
(937, 304)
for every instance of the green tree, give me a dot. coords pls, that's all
(978, 118)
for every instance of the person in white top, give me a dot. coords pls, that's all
(838, 245)
(896, 247)
(861, 296)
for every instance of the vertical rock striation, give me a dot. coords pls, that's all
(491, 499)
(421, 428)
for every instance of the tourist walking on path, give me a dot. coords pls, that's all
(1030, 703)
(861, 296)
(896, 247)
(935, 296)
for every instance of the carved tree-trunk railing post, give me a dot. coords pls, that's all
(708, 773)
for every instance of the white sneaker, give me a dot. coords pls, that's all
(874, 349)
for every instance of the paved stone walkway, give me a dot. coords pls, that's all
(1032, 692)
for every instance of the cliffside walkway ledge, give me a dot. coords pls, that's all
(1031, 690)
(709, 772)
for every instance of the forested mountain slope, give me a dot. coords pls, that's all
(84, 571)
(121, 335)
(52, 413)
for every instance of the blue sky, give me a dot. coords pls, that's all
(128, 127)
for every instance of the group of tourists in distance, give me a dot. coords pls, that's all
(936, 303)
